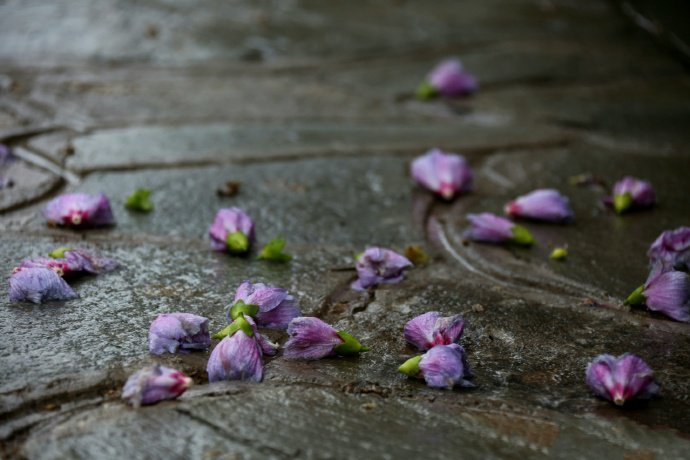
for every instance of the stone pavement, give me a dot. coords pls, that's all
(310, 105)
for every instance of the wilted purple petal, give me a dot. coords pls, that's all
(39, 284)
(450, 80)
(444, 367)
(640, 193)
(668, 293)
(173, 332)
(276, 306)
(672, 249)
(153, 384)
(621, 379)
(446, 174)
(237, 357)
(226, 222)
(60, 266)
(543, 204)
(379, 266)
(81, 260)
(311, 338)
(489, 228)
(79, 210)
(431, 329)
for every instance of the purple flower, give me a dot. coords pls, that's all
(543, 204)
(672, 249)
(444, 366)
(237, 357)
(449, 80)
(431, 329)
(79, 210)
(173, 332)
(490, 228)
(275, 306)
(311, 338)
(59, 266)
(72, 261)
(153, 384)
(38, 284)
(379, 266)
(620, 379)
(232, 230)
(667, 292)
(631, 193)
(446, 174)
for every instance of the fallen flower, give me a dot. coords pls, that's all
(490, 228)
(667, 292)
(542, 204)
(139, 200)
(559, 253)
(621, 379)
(173, 332)
(38, 284)
(79, 210)
(431, 329)
(72, 261)
(672, 249)
(311, 338)
(445, 174)
(447, 79)
(631, 193)
(232, 230)
(153, 384)
(273, 251)
(443, 366)
(247, 324)
(276, 307)
(238, 356)
(379, 266)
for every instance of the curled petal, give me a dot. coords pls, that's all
(630, 192)
(431, 329)
(446, 174)
(237, 357)
(311, 338)
(153, 384)
(173, 332)
(229, 221)
(79, 210)
(672, 249)
(543, 204)
(379, 266)
(444, 367)
(450, 80)
(489, 228)
(621, 379)
(39, 284)
(81, 260)
(276, 306)
(668, 292)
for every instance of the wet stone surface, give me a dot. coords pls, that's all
(310, 107)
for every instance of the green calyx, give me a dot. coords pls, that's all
(240, 324)
(622, 203)
(416, 254)
(58, 253)
(273, 251)
(237, 243)
(351, 345)
(411, 366)
(522, 236)
(426, 91)
(637, 297)
(240, 309)
(139, 201)
(559, 254)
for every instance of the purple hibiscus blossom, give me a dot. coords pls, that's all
(379, 266)
(232, 230)
(311, 338)
(445, 174)
(239, 355)
(79, 210)
(447, 79)
(443, 366)
(173, 332)
(667, 292)
(153, 384)
(631, 193)
(672, 249)
(38, 284)
(490, 228)
(276, 307)
(73, 261)
(431, 329)
(543, 204)
(621, 379)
